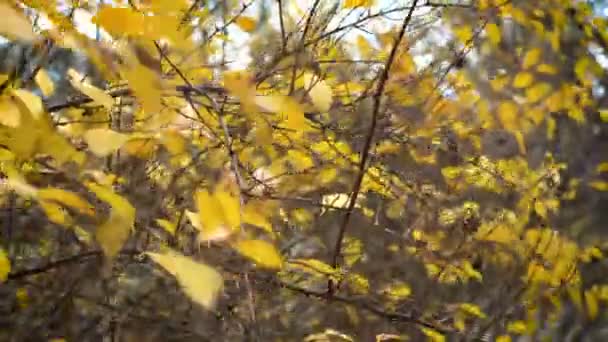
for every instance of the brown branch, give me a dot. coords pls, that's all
(368, 142)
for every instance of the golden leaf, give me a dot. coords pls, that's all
(34, 105)
(66, 198)
(507, 113)
(531, 58)
(246, 24)
(103, 141)
(320, 92)
(200, 282)
(493, 33)
(120, 20)
(464, 33)
(96, 94)
(219, 214)
(168, 226)
(599, 185)
(522, 80)
(14, 24)
(45, 82)
(54, 212)
(10, 115)
(286, 107)
(113, 233)
(5, 265)
(433, 335)
(358, 3)
(261, 252)
(146, 85)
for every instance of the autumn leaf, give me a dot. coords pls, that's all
(531, 58)
(11, 116)
(66, 198)
(287, 108)
(120, 20)
(200, 282)
(261, 252)
(5, 266)
(45, 82)
(113, 233)
(14, 24)
(246, 24)
(103, 141)
(54, 212)
(320, 92)
(523, 80)
(507, 113)
(147, 87)
(96, 94)
(358, 3)
(493, 33)
(219, 214)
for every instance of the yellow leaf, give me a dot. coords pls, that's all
(120, 20)
(316, 266)
(10, 115)
(358, 3)
(599, 185)
(166, 225)
(219, 214)
(365, 48)
(5, 265)
(54, 212)
(45, 82)
(240, 84)
(146, 85)
(472, 309)
(14, 24)
(140, 147)
(604, 115)
(320, 92)
(546, 69)
(286, 107)
(113, 233)
(33, 103)
(464, 33)
(200, 282)
(103, 141)
(503, 338)
(507, 113)
(517, 327)
(433, 335)
(591, 304)
(261, 252)
(96, 94)
(253, 214)
(531, 58)
(66, 198)
(23, 298)
(399, 291)
(522, 80)
(602, 167)
(174, 142)
(537, 92)
(246, 24)
(493, 33)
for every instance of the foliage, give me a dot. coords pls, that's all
(377, 170)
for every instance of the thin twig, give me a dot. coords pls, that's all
(368, 142)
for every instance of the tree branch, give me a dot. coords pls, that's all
(368, 142)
